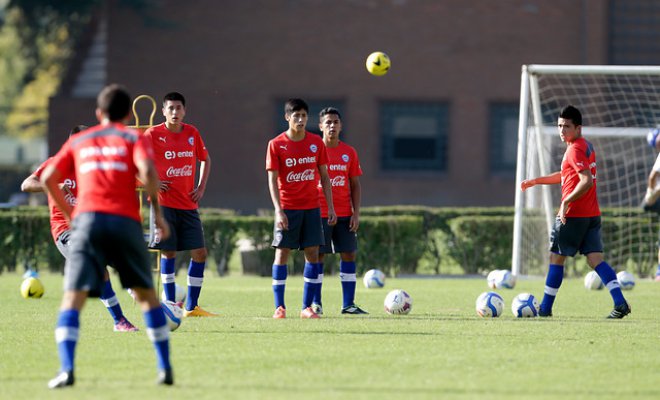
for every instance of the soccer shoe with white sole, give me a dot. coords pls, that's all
(317, 308)
(619, 311)
(165, 377)
(308, 313)
(62, 379)
(124, 325)
(280, 313)
(198, 312)
(353, 309)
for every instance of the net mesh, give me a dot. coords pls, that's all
(618, 111)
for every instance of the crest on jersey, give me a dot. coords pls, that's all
(313, 148)
(344, 157)
(191, 140)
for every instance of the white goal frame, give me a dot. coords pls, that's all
(533, 124)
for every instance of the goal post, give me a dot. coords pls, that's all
(619, 105)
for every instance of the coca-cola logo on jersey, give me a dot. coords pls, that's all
(338, 180)
(186, 170)
(306, 175)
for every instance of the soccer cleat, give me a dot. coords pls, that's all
(317, 308)
(619, 311)
(165, 377)
(62, 379)
(198, 312)
(543, 313)
(353, 309)
(280, 313)
(125, 326)
(308, 313)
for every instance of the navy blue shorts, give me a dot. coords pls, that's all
(338, 238)
(304, 231)
(186, 232)
(578, 234)
(99, 239)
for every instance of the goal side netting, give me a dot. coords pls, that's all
(619, 105)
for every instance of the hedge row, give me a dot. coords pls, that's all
(397, 240)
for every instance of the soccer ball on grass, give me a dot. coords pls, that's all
(489, 305)
(398, 302)
(374, 278)
(626, 280)
(179, 295)
(501, 279)
(525, 305)
(32, 288)
(173, 314)
(592, 281)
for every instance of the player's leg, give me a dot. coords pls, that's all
(564, 242)
(168, 248)
(311, 238)
(345, 242)
(283, 242)
(325, 248)
(111, 302)
(66, 336)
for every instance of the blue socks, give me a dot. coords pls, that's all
(316, 299)
(195, 280)
(159, 334)
(66, 337)
(279, 284)
(552, 283)
(109, 300)
(310, 276)
(347, 276)
(608, 277)
(167, 267)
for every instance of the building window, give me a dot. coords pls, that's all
(315, 106)
(634, 34)
(503, 133)
(414, 135)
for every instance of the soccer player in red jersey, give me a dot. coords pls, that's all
(577, 227)
(61, 233)
(344, 171)
(295, 161)
(107, 228)
(177, 148)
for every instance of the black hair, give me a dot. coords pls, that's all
(114, 101)
(572, 113)
(77, 129)
(293, 105)
(329, 110)
(174, 96)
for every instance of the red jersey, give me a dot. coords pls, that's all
(104, 159)
(176, 156)
(297, 164)
(58, 223)
(343, 164)
(579, 156)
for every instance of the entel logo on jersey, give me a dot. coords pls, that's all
(313, 148)
(70, 183)
(170, 155)
(292, 162)
(344, 157)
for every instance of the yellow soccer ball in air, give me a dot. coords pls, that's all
(32, 288)
(378, 63)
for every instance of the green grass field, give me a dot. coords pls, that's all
(441, 350)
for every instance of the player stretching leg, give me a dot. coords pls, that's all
(344, 171)
(577, 227)
(293, 160)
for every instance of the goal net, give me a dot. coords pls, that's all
(619, 105)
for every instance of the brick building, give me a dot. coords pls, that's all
(439, 129)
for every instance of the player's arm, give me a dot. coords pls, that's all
(281, 221)
(586, 181)
(327, 192)
(50, 179)
(356, 199)
(32, 184)
(204, 170)
(551, 179)
(148, 175)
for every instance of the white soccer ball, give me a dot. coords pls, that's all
(374, 278)
(489, 304)
(525, 305)
(179, 295)
(173, 314)
(592, 281)
(398, 302)
(501, 279)
(626, 280)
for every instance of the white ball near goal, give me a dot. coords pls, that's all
(592, 281)
(501, 279)
(525, 305)
(626, 280)
(374, 278)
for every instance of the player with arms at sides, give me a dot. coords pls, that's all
(295, 161)
(651, 202)
(578, 226)
(344, 171)
(106, 226)
(61, 232)
(177, 148)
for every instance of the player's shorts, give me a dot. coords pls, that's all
(305, 230)
(338, 238)
(186, 232)
(99, 239)
(63, 243)
(578, 234)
